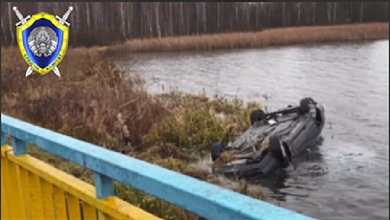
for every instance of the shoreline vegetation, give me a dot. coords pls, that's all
(92, 102)
(260, 39)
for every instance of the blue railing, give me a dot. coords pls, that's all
(204, 199)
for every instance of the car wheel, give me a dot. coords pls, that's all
(257, 115)
(216, 150)
(278, 150)
(305, 105)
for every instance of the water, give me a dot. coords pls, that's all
(348, 176)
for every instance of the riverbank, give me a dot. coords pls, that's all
(92, 102)
(271, 37)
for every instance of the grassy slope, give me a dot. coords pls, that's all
(93, 103)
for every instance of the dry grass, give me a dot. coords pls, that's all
(93, 102)
(271, 37)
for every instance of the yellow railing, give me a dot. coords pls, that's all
(34, 190)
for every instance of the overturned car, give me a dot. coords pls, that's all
(273, 141)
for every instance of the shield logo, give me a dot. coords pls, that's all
(43, 41)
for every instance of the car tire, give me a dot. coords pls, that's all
(304, 105)
(278, 150)
(257, 115)
(216, 150)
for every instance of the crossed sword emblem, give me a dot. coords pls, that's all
(24, 20)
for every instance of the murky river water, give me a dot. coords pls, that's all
(348, 176)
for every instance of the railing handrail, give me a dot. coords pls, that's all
(207, 200)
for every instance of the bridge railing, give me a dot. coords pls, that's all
(47, 193)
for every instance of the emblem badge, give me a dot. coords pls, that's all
(43, 40)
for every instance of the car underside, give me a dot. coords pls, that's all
(273, 141)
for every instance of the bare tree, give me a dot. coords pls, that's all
(299, 12)
(314, 7)
(329, 10)
(361, 12)
(204, 17)
(10, 23)
(182, 28)
(218, 14)
(157, 17)
(284, 13)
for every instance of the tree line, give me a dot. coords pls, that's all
(104, 23)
